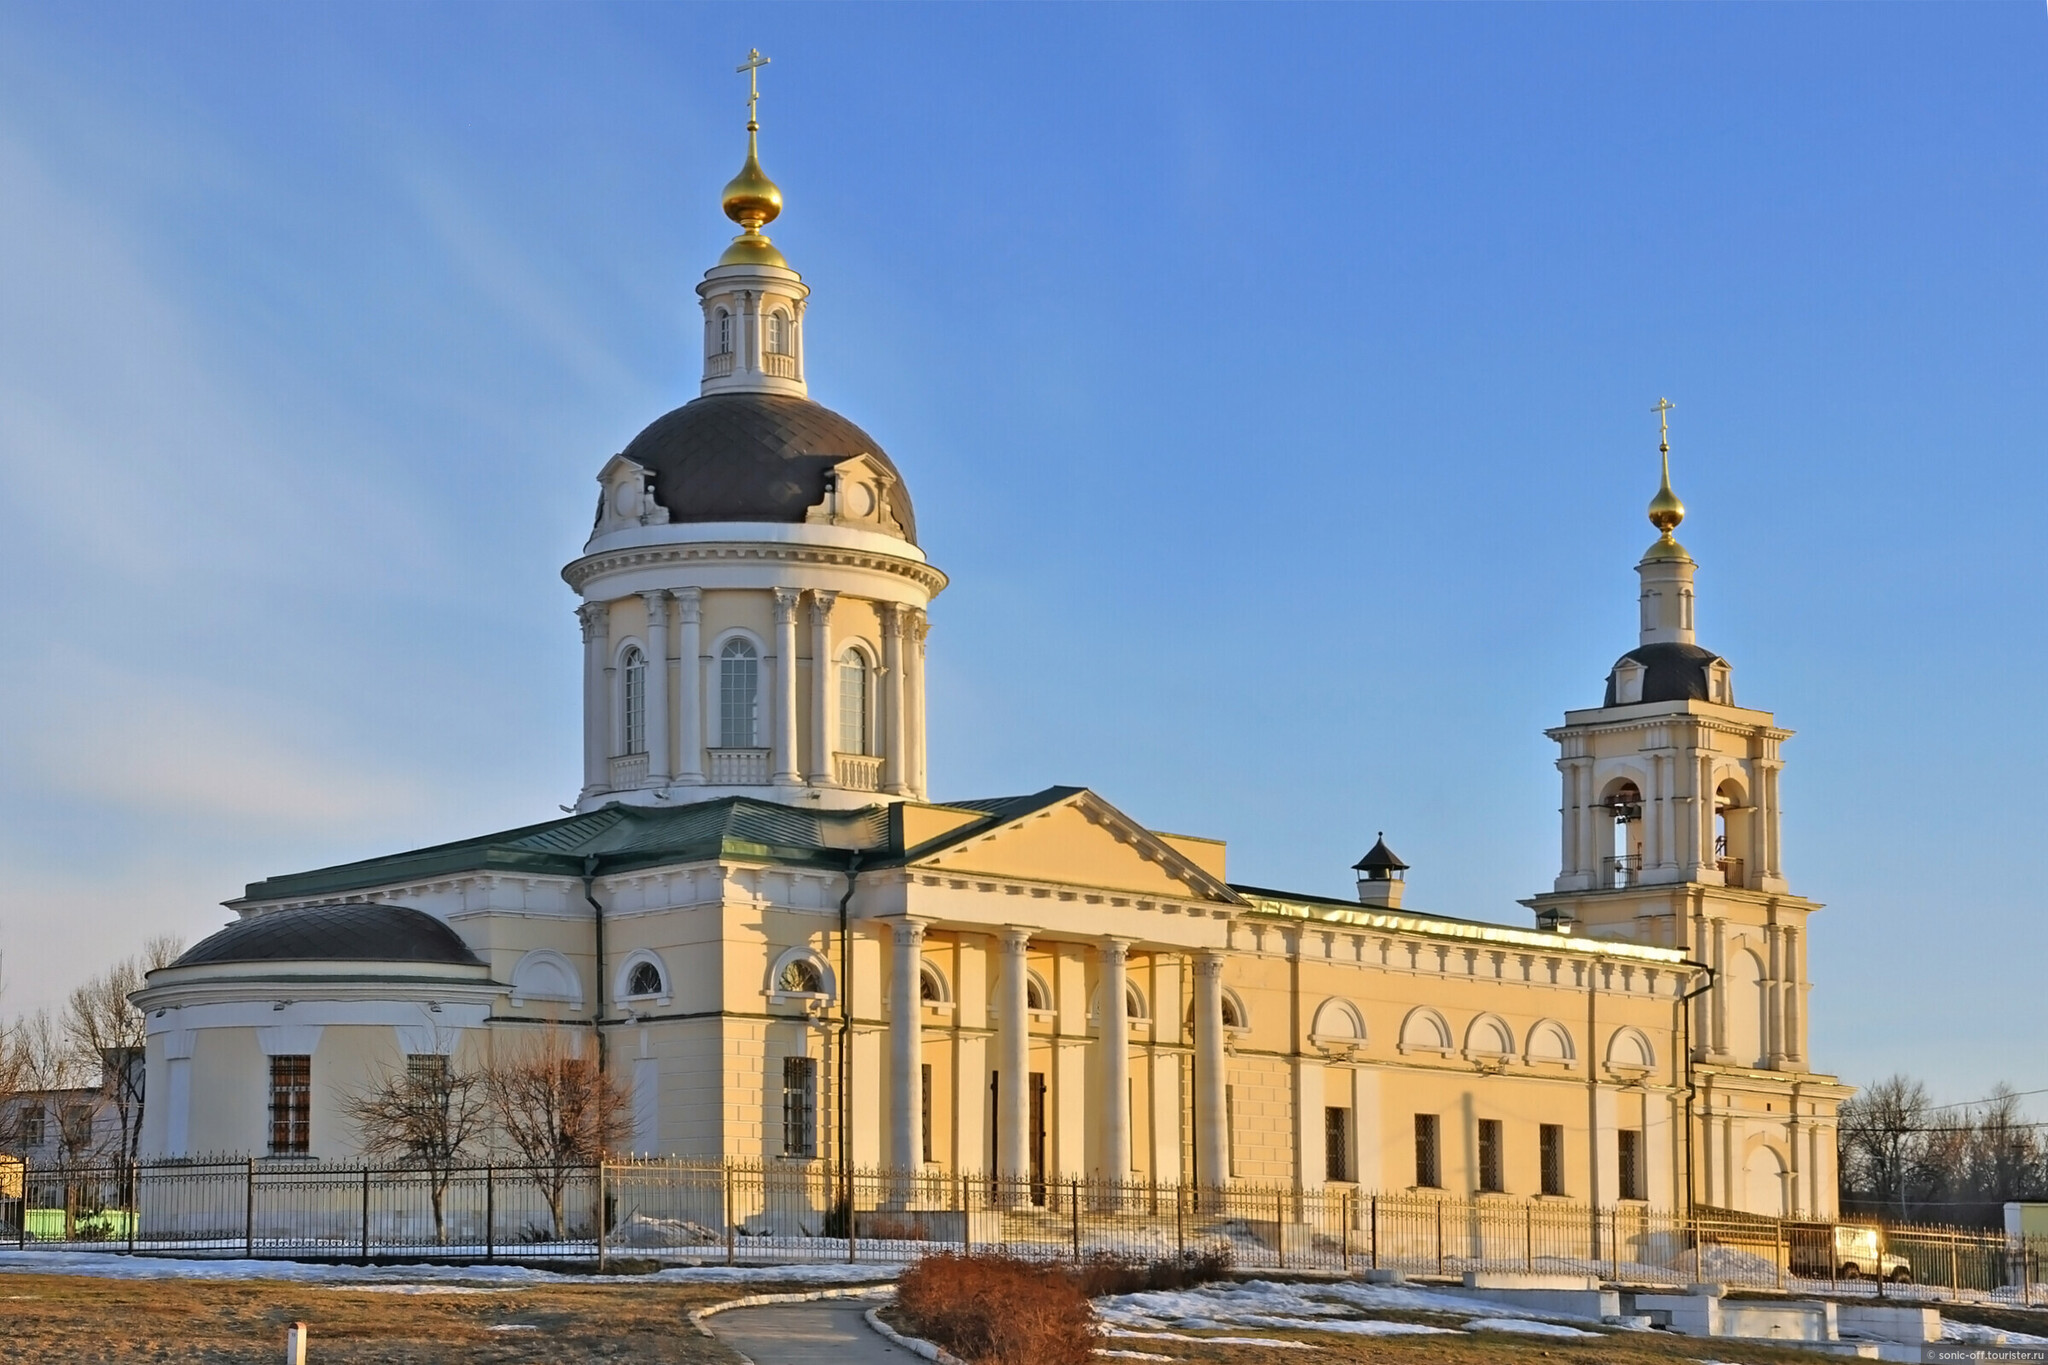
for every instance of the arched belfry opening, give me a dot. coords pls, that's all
(1621, 858)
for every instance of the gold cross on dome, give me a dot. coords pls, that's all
(751, 69)
(1665, 407)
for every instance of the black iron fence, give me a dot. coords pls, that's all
(738, 1212)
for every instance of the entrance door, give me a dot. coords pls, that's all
(1038, 1137)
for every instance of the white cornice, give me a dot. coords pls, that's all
(763, 542)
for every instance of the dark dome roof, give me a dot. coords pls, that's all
(1380, 859)
(1671, 672)
(754, 457)
(335, 933)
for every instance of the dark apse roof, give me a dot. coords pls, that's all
(754, 457)
(335, 933)
(1671, 672)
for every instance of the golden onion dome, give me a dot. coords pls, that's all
(752, 200)
(1666, 511)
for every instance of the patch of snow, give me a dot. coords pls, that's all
(1977, 1334)
(1130, 1355)
(1529, 1325)
(514, 1327)
(1279, 1343)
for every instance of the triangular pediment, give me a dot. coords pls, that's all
(1078, 840)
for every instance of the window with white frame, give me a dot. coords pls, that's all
(633, 690)
(724, 332)
(853, 702)
(778, 333)
(739, 694)
(800, 976)
(644, 979)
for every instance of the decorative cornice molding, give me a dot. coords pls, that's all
(581, 572)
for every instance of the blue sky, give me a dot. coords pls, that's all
(1273, 382)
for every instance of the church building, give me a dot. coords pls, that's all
(786, 950)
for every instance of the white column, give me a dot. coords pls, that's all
(916, 629)
(906, 1055)
(1116, 1062)
(690, 687)
(782, 759)
(892, 700)
(1589, 857)
(1771, 824)
(1013, 1069)
(1212, 1135)
(1795, 975)
(1774, 996)
(597, 640)
(657, 688)
(1568, 820)
(824, 691)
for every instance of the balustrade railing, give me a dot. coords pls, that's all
(718, 366)
(858, 772)
(628, 771)
(780, 366)
(739, 768)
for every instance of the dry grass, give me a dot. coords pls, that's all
(75, 1320)
(987, 1307)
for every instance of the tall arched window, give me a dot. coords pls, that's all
(739, 694)
(853, 702)
(724, 332)
(778, 333)
(633, 689)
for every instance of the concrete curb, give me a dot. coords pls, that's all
(858, 1291)
(931, 1351)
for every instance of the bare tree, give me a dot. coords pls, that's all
(1883, 1139)
(427, 1116)
(557, 1113)
(107, 1035)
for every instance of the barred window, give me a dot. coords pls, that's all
(853, 702)
(1491, 1177)
(1551, 1138)
(1337, 1144)
(644, 979)
(1630, 1149)
(634, 695)
(291, 1105)
(799, 1106)
(1429, 1170)
(739, 694)
(426, 1068)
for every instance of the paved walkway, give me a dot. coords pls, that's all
(827, 1332)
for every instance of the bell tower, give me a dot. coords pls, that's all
(1670, 836)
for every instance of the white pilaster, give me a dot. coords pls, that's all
(1212, 1135)
(597, 640)
(690, 682)
(916, 628)
(824, 688)
(1116, 1061)
(892, 700)
(906, 1051)
(657, 688)
(783, 759)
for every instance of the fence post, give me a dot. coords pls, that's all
(852, 1251)
(1439, 1236)
(490, 1213)
(1280, 1228)
(366, 1213)
(1180, 1220)
(1375, 1214)
(1778, 1258)
(1344, 1212)
(249, 1213)
(1953, 1287)
(134, 1201)
(1074, 1213)
(27, 1184)
(731, 1232)
(601, 1248)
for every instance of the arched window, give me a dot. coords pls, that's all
(778, 333)
(739, 694)
(1035, 997)
(853, 702)
(724, 332)
(1625, 861)
(1134, 1003)
(645, 979)
(931, 987)
(633, 690)
(1233, 1013)
(801, 977)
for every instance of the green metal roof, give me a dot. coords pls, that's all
(621, 837)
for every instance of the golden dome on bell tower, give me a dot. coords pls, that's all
(1666, 511)
(751, 199)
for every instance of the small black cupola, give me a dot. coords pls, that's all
(1381, 876)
